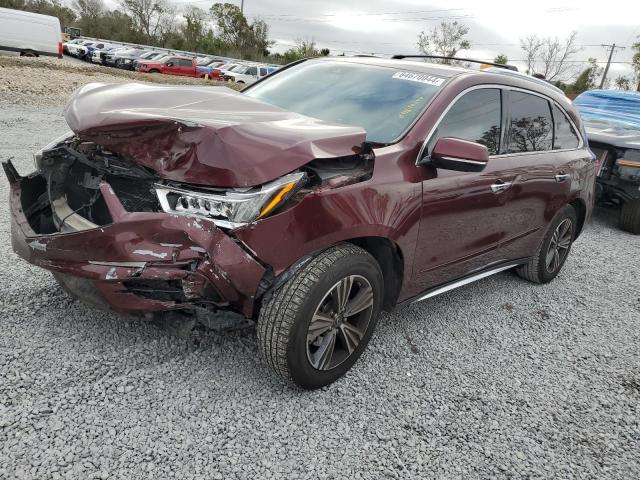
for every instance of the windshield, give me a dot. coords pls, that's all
(384, 101)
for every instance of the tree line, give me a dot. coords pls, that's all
(158, 23)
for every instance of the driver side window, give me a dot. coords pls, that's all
(477, 117)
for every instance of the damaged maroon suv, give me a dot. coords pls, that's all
(311, 201)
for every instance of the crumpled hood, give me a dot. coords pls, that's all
(204, 135)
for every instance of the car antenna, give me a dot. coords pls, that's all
(499, 65)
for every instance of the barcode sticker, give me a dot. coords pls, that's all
(420, 77)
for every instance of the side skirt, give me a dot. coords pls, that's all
(487, 272)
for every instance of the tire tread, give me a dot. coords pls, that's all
(630, 216)
(279, 312)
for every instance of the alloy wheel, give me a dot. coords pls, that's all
(339, 322)
(559, 245)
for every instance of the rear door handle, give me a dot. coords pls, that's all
(500, 186)
(562, 177)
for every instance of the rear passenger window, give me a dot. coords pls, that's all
(183, 62)
(475, 117)
(531, 124)
(564, 134)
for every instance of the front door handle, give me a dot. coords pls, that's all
(562, 177)
(500, 186)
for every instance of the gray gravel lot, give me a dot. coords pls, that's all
(498, 379)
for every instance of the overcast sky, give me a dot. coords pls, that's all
(381, 26)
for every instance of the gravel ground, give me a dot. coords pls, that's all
(500, 379)
(49, 81)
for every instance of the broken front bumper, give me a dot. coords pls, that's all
(141, 262)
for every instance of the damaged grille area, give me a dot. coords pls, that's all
(165, 290)
(66, 195)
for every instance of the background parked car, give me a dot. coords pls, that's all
(612, 121)
(252, 74)
(207, 70)
(97, 47)
(65, 45)
(146, 56)
(73, 49)
(227, 70)
(29, 34)
(126, 59)
(171, 65)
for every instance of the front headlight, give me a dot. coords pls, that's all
(232, 208)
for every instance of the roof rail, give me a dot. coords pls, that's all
(499, 65)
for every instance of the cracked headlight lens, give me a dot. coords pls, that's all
(234, 207)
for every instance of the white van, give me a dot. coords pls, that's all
(29, 34)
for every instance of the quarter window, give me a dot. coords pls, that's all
(475, 117)
(531, 126)
(565, 135)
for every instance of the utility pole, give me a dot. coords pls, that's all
(606, 69)
(242, 7)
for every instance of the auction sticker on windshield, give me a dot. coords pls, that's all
(420, 77)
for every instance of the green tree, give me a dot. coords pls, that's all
(90, 13)
(587, 78)
(152, 18)
(303, 49)
(501, 59)
(237, 36)
(445, 40)
(622, 83)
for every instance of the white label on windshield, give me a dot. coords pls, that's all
(420, 77)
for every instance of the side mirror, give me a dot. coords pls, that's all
(169, 64)
(460, 155)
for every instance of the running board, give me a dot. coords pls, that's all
(464, 281)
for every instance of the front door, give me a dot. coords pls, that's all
(463, 213)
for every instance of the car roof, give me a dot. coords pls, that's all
(411, 65)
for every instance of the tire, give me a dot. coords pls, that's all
(537, 270)
(630, 216)
(28, 53)
(153, 70)
(285, 318)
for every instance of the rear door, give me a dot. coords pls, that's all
(538, 157)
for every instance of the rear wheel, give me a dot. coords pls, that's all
(28, 53)
(153, 70)
(545, 265)
(315, 326)
(630, 216)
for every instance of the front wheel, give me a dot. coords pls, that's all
(313, 328)
(545, 265)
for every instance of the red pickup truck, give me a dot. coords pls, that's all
(170, 65)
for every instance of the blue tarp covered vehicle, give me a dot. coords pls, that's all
(612, 122)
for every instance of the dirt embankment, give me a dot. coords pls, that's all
(50, 81)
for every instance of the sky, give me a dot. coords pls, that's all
(384, 27)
